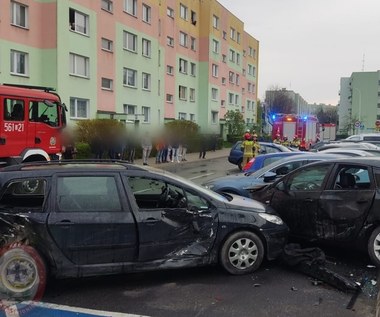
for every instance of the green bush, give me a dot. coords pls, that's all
(83, 151)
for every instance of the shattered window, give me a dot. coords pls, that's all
(309, 178)
(24, 195)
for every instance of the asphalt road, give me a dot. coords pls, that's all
(274, 290)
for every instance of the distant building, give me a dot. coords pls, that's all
(140, 62)
(299, 105)
(359, 105)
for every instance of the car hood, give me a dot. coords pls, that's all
(240, 202)
(230, 179)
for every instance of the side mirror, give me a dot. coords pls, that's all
(269, 177)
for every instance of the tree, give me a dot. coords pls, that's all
(235, 122)
(279, 101)
(329, 115)
(183, 129)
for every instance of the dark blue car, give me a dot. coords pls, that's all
(236, 154)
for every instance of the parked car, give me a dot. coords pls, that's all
(373, 138)
(348, 145)
(348, 152)
(75, 219)
(243, 185)
(263, 160)
(236, 154)
(334, 202)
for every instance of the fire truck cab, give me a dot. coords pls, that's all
(31, 120)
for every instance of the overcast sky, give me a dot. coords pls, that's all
(308, 45)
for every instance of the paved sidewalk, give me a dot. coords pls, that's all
(190, 157)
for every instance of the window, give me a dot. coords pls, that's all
(192, 94)
(237, 79)
(107, 45)
(238, 58)
(14, 110)
(146, 47)
(88, 194)
(19, 63)
(107, 83)
(238, 37)
(215, 70)
(130, 109)
(130, 41)
(146, 13)
(232, 33)
(78, 21)
(183, 66)
(170, 12)
(224, 35)
(193, 18)
(169, 70)
(310, 178)
(146, 81)
(79, 108)
(79, 65)
(214, 117)
(222, 103)
(170, 41)
(232, 56)
(182, 116)
(223, 80)
(182, 93)
(248, 104)
(215, 22)
(236, 100)
(130, 77)
(183, 11)
(224, 58)
(250, 87)
(107, 5)
(231, 77)
(130, 6)
(214, 94)
(193, 69)
(193, 42)
(231, 98)
(19, 14)
(183, 39)
(169, 98)
(192, 117)
(146, 114)
(215, 46)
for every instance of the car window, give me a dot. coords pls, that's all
(24, 194)
(351, 177)
(87, 194)
(287, 168)
(270, 160)
(309, 178)
(269, 149)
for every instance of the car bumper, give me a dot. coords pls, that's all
(275, 241)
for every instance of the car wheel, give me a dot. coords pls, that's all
(242, 253)
(239, 164)
(22, 273)
(374, 247)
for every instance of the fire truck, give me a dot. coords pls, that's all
(32, 119)
(291, 125)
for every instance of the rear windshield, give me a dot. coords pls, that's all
(371, 138)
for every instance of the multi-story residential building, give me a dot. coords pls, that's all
(298, 105)
(359, 105)
(142, 62)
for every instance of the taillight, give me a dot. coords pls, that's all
(248, 165)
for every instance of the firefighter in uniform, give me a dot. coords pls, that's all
(296, 142)
(256, 145)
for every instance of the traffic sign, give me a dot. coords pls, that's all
(357, 124)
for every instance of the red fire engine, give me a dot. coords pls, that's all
(291, 125)
(32, 119)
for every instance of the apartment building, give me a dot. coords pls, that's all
(142, 62)
(359, 104)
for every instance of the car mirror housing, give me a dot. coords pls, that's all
(269, 177)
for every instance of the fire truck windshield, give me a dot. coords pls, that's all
(44, 111)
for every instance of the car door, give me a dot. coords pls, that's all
(344, 206)
(91, 221)
(296, 198)
(173, 221)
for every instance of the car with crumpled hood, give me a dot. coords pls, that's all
(76, 219)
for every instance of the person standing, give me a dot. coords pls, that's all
(248, 148)
(146, 145)
(203, 147)
(256, 145)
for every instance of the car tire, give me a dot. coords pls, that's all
(374, 247)
(22, 273)
(242, 253)
(240, 164)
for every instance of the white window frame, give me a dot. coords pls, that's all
(182, 92)
(215, 22)
(146, 13)
(192, 117)
(75, 67)
(182, 116)
(169, 69)
(130, 7)
(19, 63)
(146, 48)
(107, 5)
(231, 98)
(170, 41)
(107, 45)
(237, 58)
(183, 38)
(126, 76)
(146, 114)
(214, 94)
(237, 100)
(146, 81)
(107, 83)
(231, 77)
(237, 79)
(170, 12)
(238, 37)
(215, 70)
(19, 15)
(169, 98)
(214, 117)
(74, 106)
(183, 11)
(193, 69)
(129, 109)
(127, 36)
(215, 46)
(183, 66)
(79, 22)
(192, 94)
(232, 34)
(232, 55)
(193, 43)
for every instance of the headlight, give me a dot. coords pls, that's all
(271, 218)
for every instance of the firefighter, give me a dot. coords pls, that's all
(277, 140)
(256, 145)
(247, 135)
(296, 142)
(302, 146)
(285, 142)
(248, 148)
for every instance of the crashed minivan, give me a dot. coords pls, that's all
(75, 219)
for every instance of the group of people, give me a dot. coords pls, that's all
(250, 146)
(170, 150)
(295, 143)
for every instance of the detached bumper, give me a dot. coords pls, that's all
(276, 240)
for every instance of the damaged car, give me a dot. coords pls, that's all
(76, 219)
(335, 202)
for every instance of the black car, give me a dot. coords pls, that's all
(74, 219)
(335, 202)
